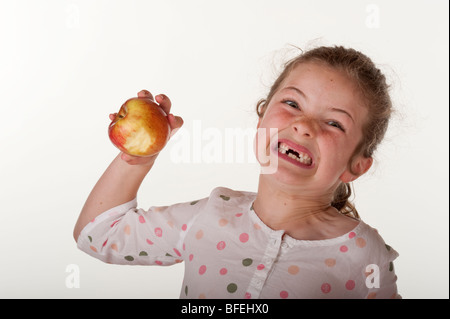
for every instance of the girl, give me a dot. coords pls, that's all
(298, 236)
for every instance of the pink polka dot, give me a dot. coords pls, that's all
(184, 227)
(221, 245)
(350, 285)
(149, 241)
(158, 262)
(104, 244)
(202, 269)
(351, 235)
(141, 219)
(191, 257)
(243, 237)
(343, 248)
(284, 294)
(260, 267)
(184, 246)
(158, 232)
(248, 295)
(326, 288)
(223, 271)
(177, 252)
(238, 214)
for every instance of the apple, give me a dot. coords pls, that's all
(140, 128)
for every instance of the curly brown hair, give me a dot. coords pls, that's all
(374, 91)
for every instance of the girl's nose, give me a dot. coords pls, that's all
(305, 127)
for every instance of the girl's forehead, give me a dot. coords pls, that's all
(319, 72)
(316, 80)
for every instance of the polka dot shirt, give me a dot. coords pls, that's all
(230, 253)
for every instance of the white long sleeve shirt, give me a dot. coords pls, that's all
(230, 253)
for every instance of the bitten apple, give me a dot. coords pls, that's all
(140, 128)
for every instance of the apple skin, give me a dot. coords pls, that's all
(140, 128)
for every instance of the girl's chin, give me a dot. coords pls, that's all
(288, 176)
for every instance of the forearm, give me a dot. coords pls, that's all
(118, 184)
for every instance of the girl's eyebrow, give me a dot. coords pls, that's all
(300, 92)
(334, 109)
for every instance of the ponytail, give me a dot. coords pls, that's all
(341, 201)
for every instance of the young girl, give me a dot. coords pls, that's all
(298, 236)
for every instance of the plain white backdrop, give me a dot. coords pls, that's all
(65, 65)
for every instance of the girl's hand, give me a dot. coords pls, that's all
(175, 123)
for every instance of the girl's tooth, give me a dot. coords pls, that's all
(302, 157)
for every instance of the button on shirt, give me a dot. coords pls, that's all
(230, 253)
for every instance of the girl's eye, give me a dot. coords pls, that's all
(337, 125)
(291, 103)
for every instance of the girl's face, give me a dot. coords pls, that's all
(319, 116)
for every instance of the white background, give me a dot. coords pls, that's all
(65, 65)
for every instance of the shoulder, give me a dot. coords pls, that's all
(372, 244)
(224, 201)
(228, 195)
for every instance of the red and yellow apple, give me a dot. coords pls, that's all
(140, 128)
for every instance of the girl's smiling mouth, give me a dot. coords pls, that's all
(294, 153)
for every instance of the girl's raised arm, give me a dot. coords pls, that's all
(121, 180)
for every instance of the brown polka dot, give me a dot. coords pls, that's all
(330, 262)
(372, 295)
(199, 234)
(360, 242)
(223, 222)
(293, 270)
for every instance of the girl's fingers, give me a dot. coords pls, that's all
(175, 123)
(164, 102)
(146, 94)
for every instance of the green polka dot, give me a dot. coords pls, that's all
(143, 253)
(194, 202)
(247, 262)
(129, 258)
(186, 290)
(391, 266)
(90, 239)
(231, 288)
(388, 247)
(224, 197)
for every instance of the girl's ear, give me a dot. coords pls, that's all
(359, 167)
